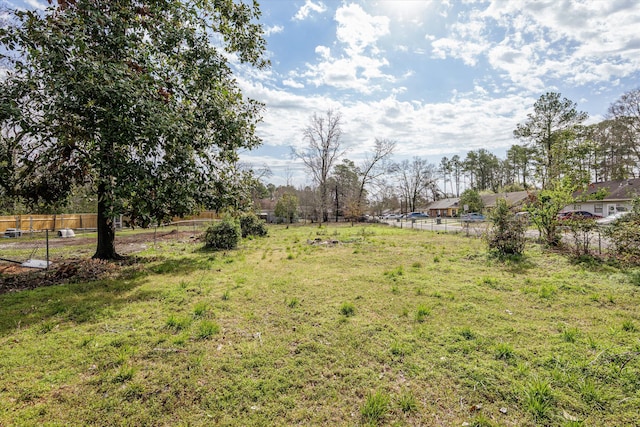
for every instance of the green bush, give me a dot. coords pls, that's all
(223, 235)
(624, 235)
(251, 225)
(507, 234)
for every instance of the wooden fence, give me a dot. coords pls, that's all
(28, 223)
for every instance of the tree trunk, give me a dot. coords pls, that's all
(106, 229)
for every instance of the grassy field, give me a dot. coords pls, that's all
(337, 326)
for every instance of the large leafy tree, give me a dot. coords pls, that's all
(135, 97)
(554, 122)
(626, 111)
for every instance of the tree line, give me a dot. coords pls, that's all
(554, 144)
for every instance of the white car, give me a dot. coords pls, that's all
(611, 218)
(392, 216)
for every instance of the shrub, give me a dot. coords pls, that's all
(507, 234)
(223, 235)
(251, 225)
(624, 235)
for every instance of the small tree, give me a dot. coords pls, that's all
(471, 198)
(507, 235)
(544, 207)
(287, 207)
(581, 232)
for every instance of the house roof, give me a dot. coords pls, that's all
(512, 198)
(445, 203)
(625, 189)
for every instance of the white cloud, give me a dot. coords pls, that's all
(292, 83)
(577, 42)
(359, 30)
(276, 29)
(309, 7)
(355, 62)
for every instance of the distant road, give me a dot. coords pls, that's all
(453, 225)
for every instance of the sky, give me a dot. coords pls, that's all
(438, 77)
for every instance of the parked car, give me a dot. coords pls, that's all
(563, 216)
(472, 217)
(12, 232)
(417, 215)
(392, 216)
(611, 218)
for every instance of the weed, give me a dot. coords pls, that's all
(177, 323)
(570, 335)
(200, 309)
(395, 290)
(293, 302)
(628, 326)
(422, 312)
(226, 296)
(397, 349)
(416, 265)
(539, 399)
(590, 393)
(481, 420)
(467, 333)
(436, 258)
(124, 374)
(207, 329)
(503, 351)
(547, 291)
(395, 273)
(407, 402)
(86, 340)
(375, 408)
(133, 392)
(47, 326)
(594, 297)
(348, 309)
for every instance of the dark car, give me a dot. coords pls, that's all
(417, 215)
(563, 216)
(472, 217)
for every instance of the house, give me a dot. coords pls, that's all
(451, 207)
(444, 207)
(606, 198)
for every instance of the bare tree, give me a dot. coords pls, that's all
(323, 136)
(375, 165)
(417, 178)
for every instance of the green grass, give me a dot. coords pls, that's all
(390, 327)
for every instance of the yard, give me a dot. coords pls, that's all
(336, 325)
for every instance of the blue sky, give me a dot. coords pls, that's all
(439, 77)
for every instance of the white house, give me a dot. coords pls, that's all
(606, 198)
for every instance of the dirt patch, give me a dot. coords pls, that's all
(14, 277)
